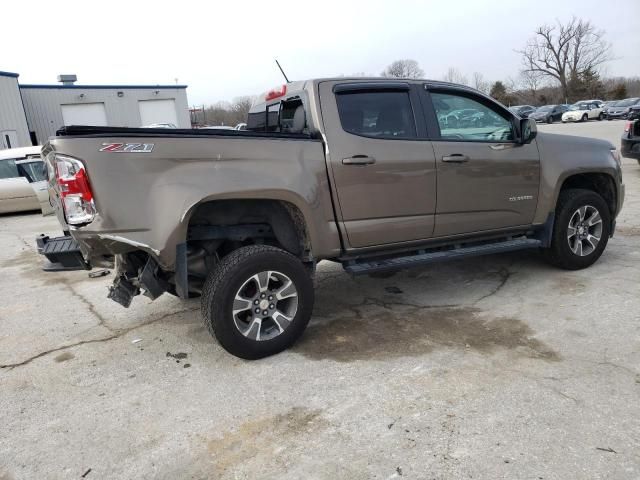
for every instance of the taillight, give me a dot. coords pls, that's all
(75, 191)
(627, 127)
(276, 92)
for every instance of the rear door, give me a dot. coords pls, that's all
(486, 180)
(382, 165)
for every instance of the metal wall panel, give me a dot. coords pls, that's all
(12, 115)
(43, 105)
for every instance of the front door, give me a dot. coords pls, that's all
(486, 180)
(382, 166)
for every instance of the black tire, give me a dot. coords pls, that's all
(585, 117)
(601, 116)
(226, 280)
(549, 119)
(560, 253)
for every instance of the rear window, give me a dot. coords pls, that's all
(8, 168)
(276, 117)
(382, 114)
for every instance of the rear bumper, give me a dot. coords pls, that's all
(62, 253)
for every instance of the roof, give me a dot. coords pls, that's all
(105, 87)
(21, 152)
(8, 74)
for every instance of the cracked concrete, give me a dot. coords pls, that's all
(494, 367)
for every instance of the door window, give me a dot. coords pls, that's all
(8, 169)
(462, 118)
(377, 114)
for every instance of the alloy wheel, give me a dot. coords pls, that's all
(265, 305)
(584, 231)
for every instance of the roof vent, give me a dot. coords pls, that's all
(67, 79)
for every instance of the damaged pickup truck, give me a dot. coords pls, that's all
(376, 174)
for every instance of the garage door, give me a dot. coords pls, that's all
(84, 114)
(157, 111)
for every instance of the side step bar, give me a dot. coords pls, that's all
(63, 254)
(423, 257)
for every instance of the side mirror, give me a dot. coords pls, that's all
(528, 130)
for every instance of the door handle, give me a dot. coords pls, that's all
(358, 160)
(455, 158)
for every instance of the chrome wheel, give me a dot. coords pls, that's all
(584, 230)
(265, 305)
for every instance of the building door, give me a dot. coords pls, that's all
(9, 139)
(158, 111)
(84, 114)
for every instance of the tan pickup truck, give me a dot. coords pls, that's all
(376, 174)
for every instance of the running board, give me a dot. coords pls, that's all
(423, 257)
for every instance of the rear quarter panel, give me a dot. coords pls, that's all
(144, 200)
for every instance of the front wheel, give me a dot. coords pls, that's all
(601, 116)
(581, 229)
(585, 117)
(549, 119)
(257, 301)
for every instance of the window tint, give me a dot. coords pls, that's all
(377, 114)
(461, 118)
(8, 169)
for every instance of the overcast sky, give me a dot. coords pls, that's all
(223, 49)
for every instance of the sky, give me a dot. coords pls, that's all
(225, 49)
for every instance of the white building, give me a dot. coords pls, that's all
(13, 122)
(49, 107)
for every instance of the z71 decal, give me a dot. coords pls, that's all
(127, 147)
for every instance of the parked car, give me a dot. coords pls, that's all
(548, 113)
(582, 111)
(243, 217)
(23, 185)
(622, 108)
(630, 142)
(523, 111)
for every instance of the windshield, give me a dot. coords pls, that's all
(627, 103)
(579, 106)
(545, 108)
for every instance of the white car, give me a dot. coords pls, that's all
(583, 111)
(23, 182)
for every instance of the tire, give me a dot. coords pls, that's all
(585, 117)
(601, 116)
(549, 119)
(561, 252)
(244, 271)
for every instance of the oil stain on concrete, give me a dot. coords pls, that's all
(63, 357)
(262, 439)
(375, 332)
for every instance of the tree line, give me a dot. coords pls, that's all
(561, 63)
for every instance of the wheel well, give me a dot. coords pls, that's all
(285, 224)
(601, 183)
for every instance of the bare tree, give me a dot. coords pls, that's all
(479, 83)
(403, 69)
(454, 75)
(566, 51)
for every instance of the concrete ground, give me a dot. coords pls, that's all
(495, 367)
